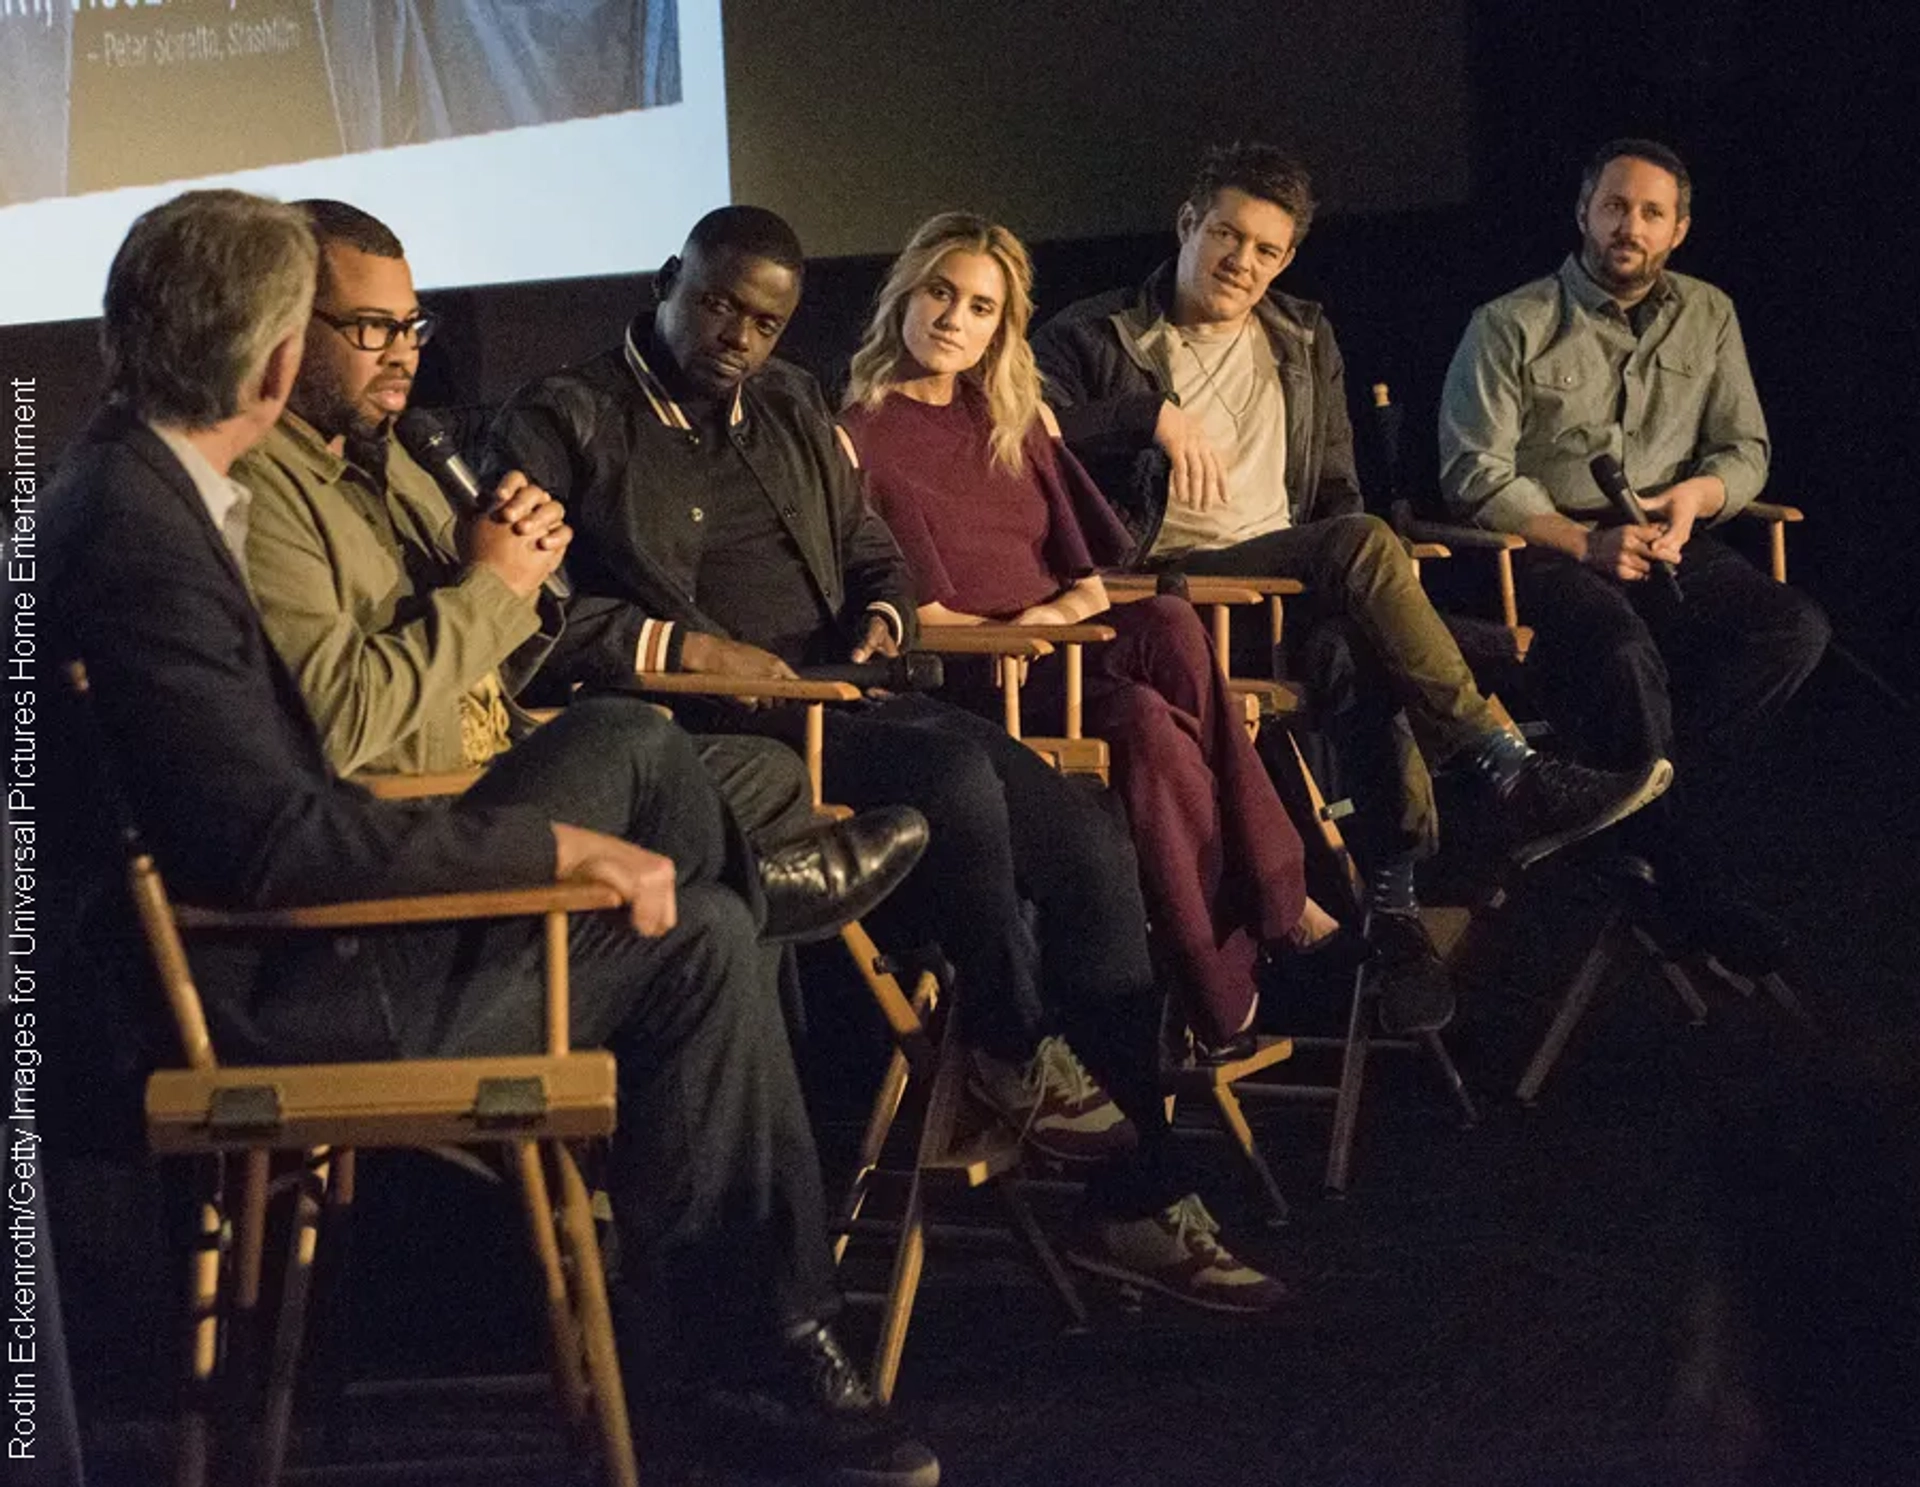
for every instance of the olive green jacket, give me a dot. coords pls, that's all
(366, 598)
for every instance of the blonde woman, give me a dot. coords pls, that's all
(964, 462)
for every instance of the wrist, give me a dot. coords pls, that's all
(696, 650)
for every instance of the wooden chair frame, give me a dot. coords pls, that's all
(1185, 1076)
(1620, 932)
(1277, 701)
(926, 1061)
(232, 1119)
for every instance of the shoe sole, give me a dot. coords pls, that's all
(1147, 1283)
(1652, 786)
(1039, 1144)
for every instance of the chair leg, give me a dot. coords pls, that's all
(1353, 1074)
(873, 1142)
(1450, 1076)
(1785, 997)
(1774, 984)
(563, 1338)
(249, 1249)
(1235, 1119)
(936, 1137)
(195, 1445)
(1027, 1227)
(290, 1330)
(328, 1355)
(1573, 1006)
(909, 1260)
(596, 1323)
(1732, 978)
(1675, 975)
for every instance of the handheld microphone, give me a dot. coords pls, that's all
(1612, 480)
(425, 438)
(915, 671)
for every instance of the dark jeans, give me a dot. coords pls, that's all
(1388, 685)
(763, 782)
(1628, 676)
(714, 1177)
(1008, 832)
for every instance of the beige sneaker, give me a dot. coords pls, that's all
(1175, 1253)
(1060, 1110)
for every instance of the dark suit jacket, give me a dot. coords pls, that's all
(211, 744)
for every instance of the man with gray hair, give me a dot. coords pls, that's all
(714, 1178)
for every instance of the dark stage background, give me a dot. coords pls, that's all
(1446, 137)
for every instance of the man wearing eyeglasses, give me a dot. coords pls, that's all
(411, 630)
(350, 550)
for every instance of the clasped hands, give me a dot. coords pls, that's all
(1628, 553)
(522, 534)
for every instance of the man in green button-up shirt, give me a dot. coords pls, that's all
(1615, 355)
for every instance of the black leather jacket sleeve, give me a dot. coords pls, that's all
(1106, 405)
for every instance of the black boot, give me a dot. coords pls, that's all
(808, 1417)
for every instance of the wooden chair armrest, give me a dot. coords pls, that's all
(985, 640)
(1207, 588)
(418, 786)
(1276, 699)
(1262, 584)
(428, 908)
(1771, 511)
(1124, 588)
(703, 684)
(1088, 632)
(1421, 550)
(410, 1102)
(1450, 535)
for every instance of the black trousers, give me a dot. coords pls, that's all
(1628, 675)
(1031, 889)
(764, 784)
(714, 1177)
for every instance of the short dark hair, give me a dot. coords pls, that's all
(341, 222)
(200, 292)
(1265, 171)
(1649, 150)
(753, 232)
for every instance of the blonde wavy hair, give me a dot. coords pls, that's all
(1006, 373)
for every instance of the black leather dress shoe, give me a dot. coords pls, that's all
(836, 873)
(808, 1418)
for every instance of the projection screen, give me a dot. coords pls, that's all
(503, 140)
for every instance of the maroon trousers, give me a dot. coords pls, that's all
(1221, 865)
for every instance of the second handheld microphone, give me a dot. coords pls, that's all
(1612, 480)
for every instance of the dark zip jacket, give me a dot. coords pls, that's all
(1107, 391)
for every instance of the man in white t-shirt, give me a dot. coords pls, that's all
(1212, 410)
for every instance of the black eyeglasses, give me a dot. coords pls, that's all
(378, 332)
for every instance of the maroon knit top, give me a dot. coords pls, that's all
(980, 539)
